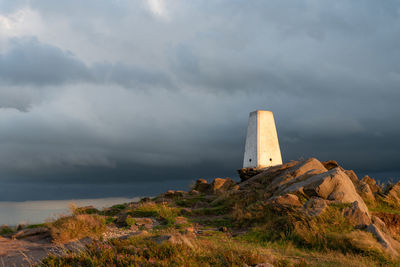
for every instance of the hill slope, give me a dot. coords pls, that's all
(302, 213)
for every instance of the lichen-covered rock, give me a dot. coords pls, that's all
(391, 222)
(275, 179)
(201, 186)
(287, 200)
(31, 232)
(147, 223)
(330, 164)
(315, 206)
(356, 216)
(353, 176)
(372, 184)
(247, 173)
(220, 185)
(393, 195)
(174, 239)
(390, 245)
(332, 185)
(365, 192)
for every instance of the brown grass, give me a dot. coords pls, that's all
(77, 226)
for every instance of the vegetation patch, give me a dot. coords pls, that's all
(161, 212)
(77, 226)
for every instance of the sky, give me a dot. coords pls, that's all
(122, 98)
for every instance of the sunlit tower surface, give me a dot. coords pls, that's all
(262, 145)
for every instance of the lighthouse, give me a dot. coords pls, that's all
(262, 145)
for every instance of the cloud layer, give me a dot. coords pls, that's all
(148, 92)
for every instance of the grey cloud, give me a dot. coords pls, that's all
(158, 100)
(30, 62)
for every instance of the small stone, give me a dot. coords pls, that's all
(223, 229)
(144, 222)
(181, 220)
(186, 211)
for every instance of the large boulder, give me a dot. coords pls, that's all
(220, 185)
(332, 185)
(275, 179)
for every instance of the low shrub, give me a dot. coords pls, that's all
(77, 226)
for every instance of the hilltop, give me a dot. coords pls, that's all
(301, 213)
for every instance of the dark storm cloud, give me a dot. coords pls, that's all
(30, 62)
(116, 92)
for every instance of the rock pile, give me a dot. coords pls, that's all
(324, 183)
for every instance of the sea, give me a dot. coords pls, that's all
(34, 212)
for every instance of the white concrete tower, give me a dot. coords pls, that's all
(262, 146)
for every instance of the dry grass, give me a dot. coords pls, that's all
(216, 250)
(162, 212)
(77, 226)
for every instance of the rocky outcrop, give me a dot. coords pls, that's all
(365, 192)
(330, 164)
(388, 243)
(372, 184)
(393, 195)
(247, 173)
(201, 186)
(174, 239)
(357, 216)
(332, 185)
(38, 232)
(219, 185)
(391, 221)
(315, 206)
(287, 200)
(352, 175)
(275, 179)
